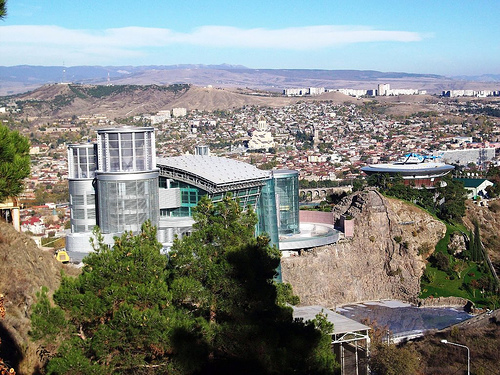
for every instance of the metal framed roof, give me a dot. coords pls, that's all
(212, 173)
(341, 324)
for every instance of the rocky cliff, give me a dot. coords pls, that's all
(382, 261)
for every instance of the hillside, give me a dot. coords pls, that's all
(24, 269)
(18, 79)
(68, 100)
(489, 225)
(381, 261)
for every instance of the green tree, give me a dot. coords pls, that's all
(475, 246)
(120, 318)
(3, 9)
(453, 197)
(211, 306)
(14, 162)
(391, 360)
(223, 275)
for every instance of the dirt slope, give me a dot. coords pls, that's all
(24, 269)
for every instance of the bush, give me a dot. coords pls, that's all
(441, 261)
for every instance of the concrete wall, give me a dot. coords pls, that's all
(316, 217)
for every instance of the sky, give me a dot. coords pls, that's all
(446, 37)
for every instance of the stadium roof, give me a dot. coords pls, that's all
(211, 173)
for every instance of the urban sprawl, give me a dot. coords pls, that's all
(322, 140)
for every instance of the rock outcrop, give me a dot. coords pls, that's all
(384, 259)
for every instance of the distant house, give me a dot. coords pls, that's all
(34, 225)
(9, 211)
(476, 187)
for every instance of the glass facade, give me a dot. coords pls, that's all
(126, 149)
(286, 184)
(82, 161)
(124, 205)
(127, 179)
(191, 195)
(81, 171)
(82, 205)
(266, 211)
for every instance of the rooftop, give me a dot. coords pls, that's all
(216, 170)
(471, 182)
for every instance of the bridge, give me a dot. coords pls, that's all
(315, 194)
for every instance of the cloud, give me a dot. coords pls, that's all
(110, 44)
(296, 38)
(301, 38)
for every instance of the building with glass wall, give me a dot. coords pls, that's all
(126, 179)
(112, 184)
(287, 201)
(118, 184)
(82, 203)
(185, 179)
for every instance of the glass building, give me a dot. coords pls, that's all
(112, 184)
(118, 184)
(185, 179)
(287, 200)
(82, 203)
(126, 179)
(267, 211)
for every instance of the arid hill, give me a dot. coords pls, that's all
(24, 269)
(18, 79)
(115, 102)
(67, 100)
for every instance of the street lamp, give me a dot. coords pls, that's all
(462, 346)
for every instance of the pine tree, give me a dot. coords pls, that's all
(3, 9)
(223, 275)
(15, 162)
(120, 317)
(477, 255)
(210, 307)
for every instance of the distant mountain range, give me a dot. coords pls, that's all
(22, 78)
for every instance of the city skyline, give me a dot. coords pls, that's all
(447, 37)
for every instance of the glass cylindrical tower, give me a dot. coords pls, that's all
(286, 184)
(267, 211)
(81, 173)
(127, 179)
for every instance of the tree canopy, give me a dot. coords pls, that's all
(3, 8)
(210, 306)
(446, 201)
(15, 162)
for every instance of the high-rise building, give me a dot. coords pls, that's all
(383, 88)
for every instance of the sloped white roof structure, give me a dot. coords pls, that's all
(211, 173)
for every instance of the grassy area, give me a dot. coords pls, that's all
(467, 282)
(442, 245)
